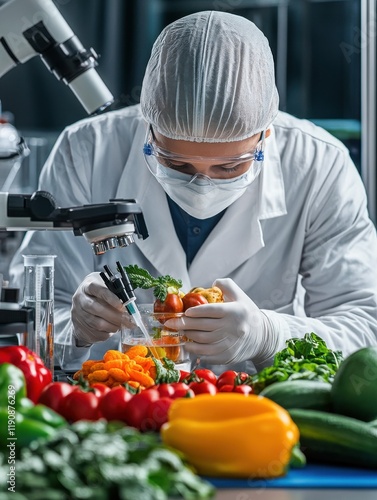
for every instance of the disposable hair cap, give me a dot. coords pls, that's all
(210, 78)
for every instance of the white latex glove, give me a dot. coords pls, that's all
(96, 312)
(229, 332)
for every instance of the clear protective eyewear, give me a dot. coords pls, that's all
(161, 162)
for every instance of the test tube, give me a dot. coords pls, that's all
(39, 295)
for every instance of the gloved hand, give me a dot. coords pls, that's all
(96, 312)
(229, 332)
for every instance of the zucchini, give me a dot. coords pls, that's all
(300, 394)
(328, 437)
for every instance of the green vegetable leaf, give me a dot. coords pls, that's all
(306, 358)
(101, 460)
(165, 371)
(141, 278)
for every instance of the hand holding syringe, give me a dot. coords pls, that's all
(120, 285)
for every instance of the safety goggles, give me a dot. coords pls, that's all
(161, 162)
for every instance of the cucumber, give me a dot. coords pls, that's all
(332, 438)
(300, 394)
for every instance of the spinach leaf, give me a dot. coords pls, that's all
(303, 358)
(103, 461)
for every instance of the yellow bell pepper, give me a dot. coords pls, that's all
(232, 435)
(213, 294)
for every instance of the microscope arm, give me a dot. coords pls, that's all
(36, 27)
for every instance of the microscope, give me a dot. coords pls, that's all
(36, 27)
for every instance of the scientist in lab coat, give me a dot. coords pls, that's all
(233, 192)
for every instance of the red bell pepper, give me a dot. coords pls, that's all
(37, 375)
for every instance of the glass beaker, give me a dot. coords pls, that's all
(39, 295)
(164, 342)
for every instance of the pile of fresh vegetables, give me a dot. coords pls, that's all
(138, 368)
(132, 426)
(144, 409)
(167, 291)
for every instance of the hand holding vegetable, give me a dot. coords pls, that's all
(231, 331)
(96, 312)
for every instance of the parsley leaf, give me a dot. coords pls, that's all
(162, 285)
(166, 371)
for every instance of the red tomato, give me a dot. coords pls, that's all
(181, 390)
(243, 389)
(205, 374)
(80, 405)
(113, 405)
(136, 414)
(203, 387)
(172, 303)
(226, 388)
(226, 378)
(53, 394)
(241, 377)
(100, 389)
(165, 390)
(192, 300)
(157, 413)
(183, 375)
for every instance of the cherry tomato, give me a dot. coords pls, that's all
(157, 413)
(183, 375)
(241, 377)
(173, 303)
(203, 387)
(181, 390)
(243, 389)
(192, 299)
(226, 378)
(226, 388)
(113, 404)
(204, 373)
(53, 394)
(100, 389)
(136, 414)
(79, 405)
(165, 390)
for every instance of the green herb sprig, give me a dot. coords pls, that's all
(141, 278)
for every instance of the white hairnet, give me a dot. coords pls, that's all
(210, 78)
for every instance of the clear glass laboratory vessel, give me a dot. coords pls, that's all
(39, 295)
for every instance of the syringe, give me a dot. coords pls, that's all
(121, 286)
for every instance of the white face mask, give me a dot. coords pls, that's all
(202, 198)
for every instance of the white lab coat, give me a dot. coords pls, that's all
(304, 219)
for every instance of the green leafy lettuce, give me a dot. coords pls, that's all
(304, 358)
